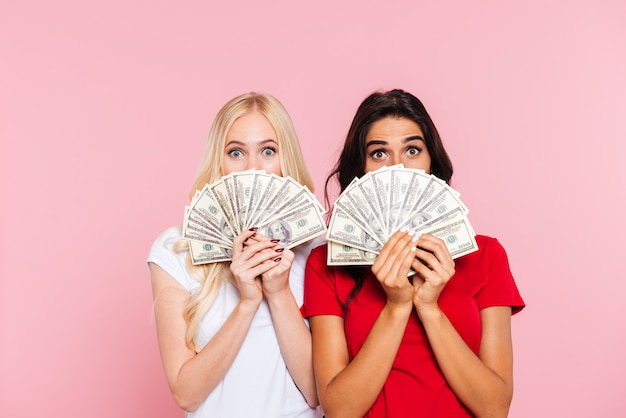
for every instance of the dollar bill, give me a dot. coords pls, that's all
(343, 230)
(206, 210)
(279, 207)
(345, 255)
(295, 227)
(220, 192)
(440, 204)
(203, 252)
(399, 181)
(376, 205)
(458, 236)
(242, 183)
(356, 205)
(415, 188)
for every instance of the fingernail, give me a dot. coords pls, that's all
(411, 233)
(275, 241)
(404, 229)
(416, 237)
(277, 259)
(254, 228)
(413, 249)
(279, 250)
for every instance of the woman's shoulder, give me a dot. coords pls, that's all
(490, 256)
(320, 250)
(488, 244)
(163, 247)
(169, 236)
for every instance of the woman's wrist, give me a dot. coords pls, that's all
(249, 306)
(428, 311)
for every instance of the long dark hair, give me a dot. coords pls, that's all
(351, 163)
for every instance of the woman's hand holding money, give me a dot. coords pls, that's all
(252, 258)
(277, 278)
(278, 260)
(434, 267)
(392, 266)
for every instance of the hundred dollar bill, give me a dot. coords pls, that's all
(414, 190)
(206, 206)
(442, 203)
(344, 255)
(355, 204)
(453, 215)
(230, 195)
(399, 181)
(242, 182)
(366, 187)
(343, 230)
(257, 191)
(272, 185)
(193, 229)
(203, 252)
(296, 227)
(220, 192)
(458, 236)
(381, 179)
(280, 199)
(347, 208)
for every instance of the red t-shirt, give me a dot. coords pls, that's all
(415, 386)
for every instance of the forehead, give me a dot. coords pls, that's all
(253, 125)
(393, 127)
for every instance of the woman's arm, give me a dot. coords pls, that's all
(483, 383)
(349, 388)
(294, 337)
(190, 376)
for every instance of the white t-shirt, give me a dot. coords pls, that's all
(258, 383)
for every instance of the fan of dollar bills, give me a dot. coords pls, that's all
(280, 207)
(376, 205)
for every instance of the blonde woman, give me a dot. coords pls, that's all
(231, 336)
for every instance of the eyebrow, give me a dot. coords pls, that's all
(404, 141)
(262, 142)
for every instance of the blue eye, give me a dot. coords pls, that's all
(268, 152)
(235, 153)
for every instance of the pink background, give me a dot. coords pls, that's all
(104, 111)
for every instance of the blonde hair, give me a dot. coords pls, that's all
(212, 276)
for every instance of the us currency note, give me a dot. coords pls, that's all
(271, 187)
(439, 205)
(229, 186)
(242, 182)
(367, 225)
(343, 230)
(381, 180)
(295, 227)
(290, 189)
(399, 182)
(220, 192)
(280, 207)
(344, 255)
(257, 191)
(414, 190)
(206, 206)
(196, 229)
(355, 204)
(204, 252)
(458, 236)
